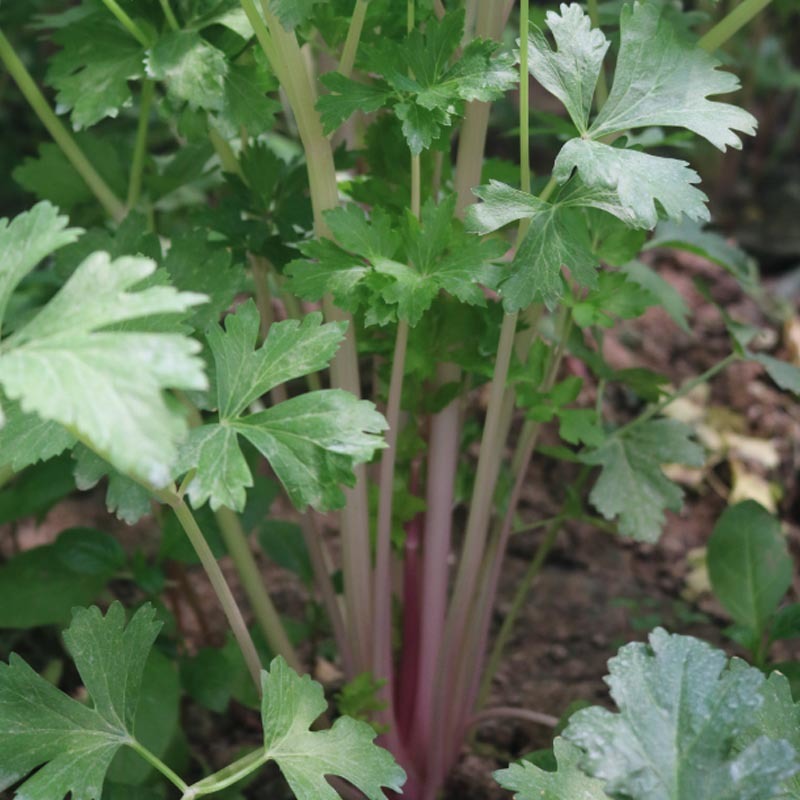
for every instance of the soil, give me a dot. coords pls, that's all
(596, 591)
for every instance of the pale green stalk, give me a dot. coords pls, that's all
(601, 90)
(112, 205)
(283, 53)
(731, 24)
(127, 23)
(156, 762)
(253, 584)
(169, 14)
(348, 58)
(140, 146)
(219, 584)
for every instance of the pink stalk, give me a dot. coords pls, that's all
(443, 452)
(406, 686)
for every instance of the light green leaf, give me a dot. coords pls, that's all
(292, 349)
(502, 205)
(25, 241)
(289, 707)
(26, 439)
(638, 181)
(567, 783)
(778, 717)
(680, 714)
(663, 78)
(193, 70)
(571, 71)
(92, 71)
(223, 475)
(614, 298)
(74, 744)
(786, 375)
(749, 564)
(556, 238)
(632, 485)
(68, 366)
(125, 498)
(312, 442)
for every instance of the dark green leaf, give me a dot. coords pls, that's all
(749, 564)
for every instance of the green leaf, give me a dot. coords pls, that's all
(26, 439)
(70, 366)
(529, 782)
(245, 104)
(669, 298)
(193, 70)
(125, 498)
(312, 442)
(638, 181)
(556, 238)
(663, 78)
(292, 349)
(680, 714)
(632, 485)
(786, 624)
(36, 490)
(157, 720)
(194, 264)
(74, 744)
(50, 176)
(347, 96)
(87, 551)
(92, 71)
(25, 241)
(407, 271)
(427, 91)
(292, 13)
(786, 375)
(570, 72)
(749, 564)
(23, 602)
(283, 542)
(289, 707)
(615, 298)
(690, 236)
(502, 205)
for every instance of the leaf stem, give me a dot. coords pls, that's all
(140, 146)
(172, 20)
(523, 587)
(348, 58)
(601, 89)
(219, 584)
(731, 23)
(156, 762)
(682, 392)
(224, 151)
(127, 23)
(228, 775)
(265, 612)
(509, 712)
(61, 136)
(524, 99)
